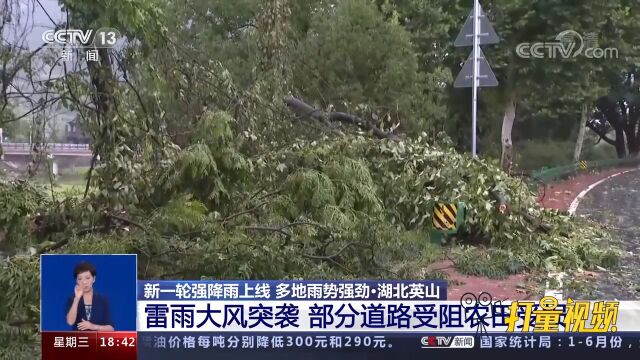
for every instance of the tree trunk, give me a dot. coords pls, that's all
(507, 126)
(304, 111)
(632, 131)
(581, 131)
(632, 141)
(103, 80)
(620, 143)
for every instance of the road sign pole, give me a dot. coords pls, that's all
(476, 71)
(474, 104)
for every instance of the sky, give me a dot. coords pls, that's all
(35, 17)
(25, 30)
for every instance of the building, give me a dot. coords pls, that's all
(74, 133)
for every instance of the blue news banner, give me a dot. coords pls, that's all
(333, 320)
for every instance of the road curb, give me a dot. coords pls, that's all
(576, 202)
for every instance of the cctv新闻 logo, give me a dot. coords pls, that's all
(447, 341)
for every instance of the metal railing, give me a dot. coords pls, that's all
(546, 175)
(50, 146)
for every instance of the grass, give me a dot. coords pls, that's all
(68, 188)
(489, 262)
(535, 154)
(76, 171)
(65, 184)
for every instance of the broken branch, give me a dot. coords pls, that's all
(304, 110)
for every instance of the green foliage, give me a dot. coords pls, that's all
(549, 92)
(20, 276)
(350, 207)
(407, 178)
(120, 242)
(18, 201)
(354, 60)
(16, 131)
(19, 344)
(141, 19)
(211, 168)
(494, 263)
(598, 152)
(533, 155)
(179, 216)
(272, 44)
(343, 185)
(218, 31)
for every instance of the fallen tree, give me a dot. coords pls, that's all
(305, 111)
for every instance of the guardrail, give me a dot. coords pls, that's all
(546, 175)
(50, 146)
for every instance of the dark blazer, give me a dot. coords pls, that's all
(100, 311)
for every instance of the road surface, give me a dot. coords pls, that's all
(616, 204)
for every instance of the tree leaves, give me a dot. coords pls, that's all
(353, 56)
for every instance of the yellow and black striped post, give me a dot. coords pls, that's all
(446, 219)
(582, 165)
(445, 216)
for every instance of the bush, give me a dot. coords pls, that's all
(602, 151)
(20, 277)
(535, 154)
(18, 200)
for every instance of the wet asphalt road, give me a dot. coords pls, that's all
(616, 203)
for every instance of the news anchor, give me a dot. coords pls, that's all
(87, 310)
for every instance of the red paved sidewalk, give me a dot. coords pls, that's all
(557, 196)
(560, 195)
